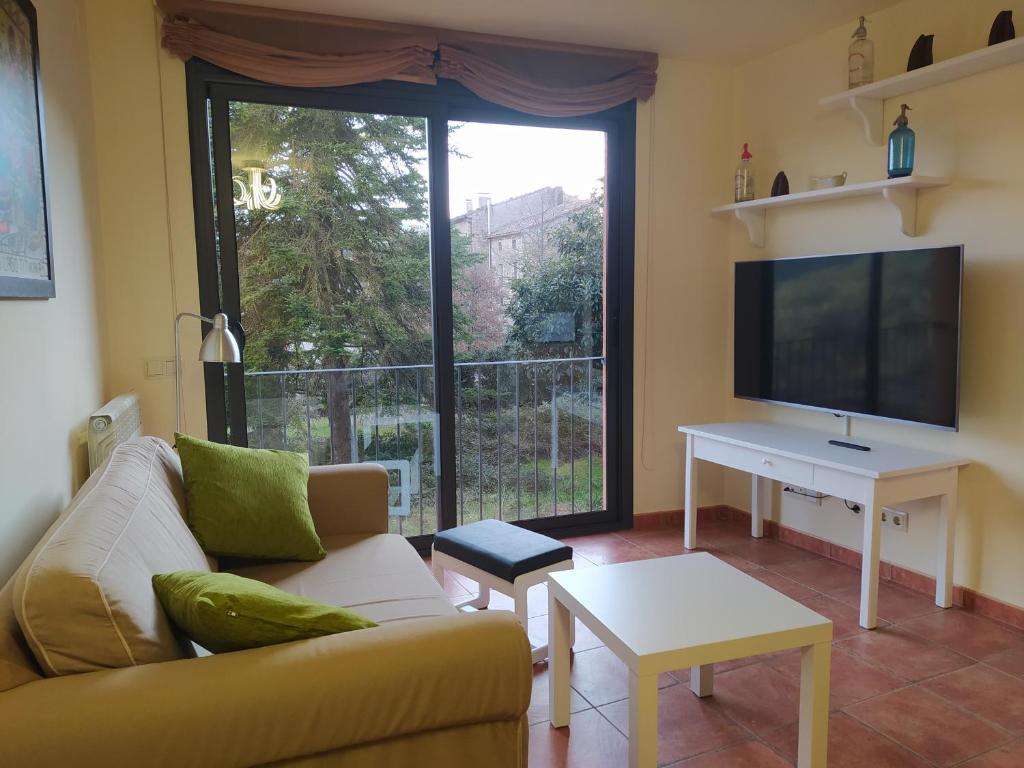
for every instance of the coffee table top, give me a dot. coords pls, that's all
(676, 612)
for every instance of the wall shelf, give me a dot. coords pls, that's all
(900, 193)
(867, 100)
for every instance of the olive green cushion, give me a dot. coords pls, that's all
(245, 502)
(223, 612)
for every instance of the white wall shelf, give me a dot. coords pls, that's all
(867, 100)
(900, 193)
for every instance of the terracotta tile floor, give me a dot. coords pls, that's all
(928, 688)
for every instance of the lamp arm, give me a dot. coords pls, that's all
(177, 363)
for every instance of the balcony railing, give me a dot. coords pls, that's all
(528, 433)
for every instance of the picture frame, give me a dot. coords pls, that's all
(26, 250)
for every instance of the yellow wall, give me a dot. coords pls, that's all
(687, 144)
(683, 152)
(50, 351)
(970, 130)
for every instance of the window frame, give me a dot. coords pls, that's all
(209, 88)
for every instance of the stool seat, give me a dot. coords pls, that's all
(502, 550)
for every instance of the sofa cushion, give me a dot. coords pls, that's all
(226, 612)
(379, 576)
(248, 502)
(17, 666)
(84, 598)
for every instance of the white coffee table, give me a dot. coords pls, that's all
(686, 611)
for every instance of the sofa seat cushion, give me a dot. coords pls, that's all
(84, 598)
(379, 576)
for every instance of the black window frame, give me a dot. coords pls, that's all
(208, 90)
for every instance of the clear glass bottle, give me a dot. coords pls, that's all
(861, 60)
(901, 146)
(744, 181)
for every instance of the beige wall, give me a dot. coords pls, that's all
(688, 139)
(970, 130)
(683, 152)
(50, 351)
(146, 214)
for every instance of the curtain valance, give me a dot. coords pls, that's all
(318, 50)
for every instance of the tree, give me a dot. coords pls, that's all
(339, 276)
(557, 307)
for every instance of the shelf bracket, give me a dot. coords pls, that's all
(905, 203)
(870, 113)
(754, 220)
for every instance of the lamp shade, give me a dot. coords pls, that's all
(220, 345)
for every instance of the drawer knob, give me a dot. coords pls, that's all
(766, 462)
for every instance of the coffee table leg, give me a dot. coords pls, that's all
(814, 698)
(643, 721)
(558, 661)
(702, 680)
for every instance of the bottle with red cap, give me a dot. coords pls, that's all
(744, 187)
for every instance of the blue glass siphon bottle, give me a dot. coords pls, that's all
(901, 146)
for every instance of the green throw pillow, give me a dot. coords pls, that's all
(223, 612)
(245, 502)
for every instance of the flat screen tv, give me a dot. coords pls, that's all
(863, 334)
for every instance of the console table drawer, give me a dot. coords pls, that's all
(756, 462)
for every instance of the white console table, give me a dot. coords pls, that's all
(887, 474)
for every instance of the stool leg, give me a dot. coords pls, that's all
(520, 599)
(437, 569)
(482, 600)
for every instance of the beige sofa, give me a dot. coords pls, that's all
(115, 686)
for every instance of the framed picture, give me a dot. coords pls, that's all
(26, 263)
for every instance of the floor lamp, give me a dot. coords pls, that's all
(219, 346)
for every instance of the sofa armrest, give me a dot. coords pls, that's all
(349, 498)
(277, 703)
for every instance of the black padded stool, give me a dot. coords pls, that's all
(502, 557)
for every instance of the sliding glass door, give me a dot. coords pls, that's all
(424, 281)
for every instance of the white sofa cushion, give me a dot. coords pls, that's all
(379, 576)
(84, 598)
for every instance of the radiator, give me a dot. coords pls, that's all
(111, 425)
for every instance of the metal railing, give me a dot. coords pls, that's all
(529, 433)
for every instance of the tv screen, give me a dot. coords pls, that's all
(873, 334)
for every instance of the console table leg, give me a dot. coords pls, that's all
(812, 749)
(643, 721)
(760, 504)
(947, 530)
(690, 497)
(869, 563)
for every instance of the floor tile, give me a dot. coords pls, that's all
(845, 618)
(601, 678)
(758, 697)
(539, 712)
(536, 601)
(903, 653)
(853, 679)
(752, 754)
(895, 603)
(606, 549)
(986, 692)
(589, 741)
(585, 639)
(768, 552)
(1011, 660)
(929, 725)
(734, 560)
(687, 725)
(965, 633)
(851, 744)
(822, 575)
(1010, 756)
(784, 585)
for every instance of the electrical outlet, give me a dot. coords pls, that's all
(159, 368)
(896, 518)
(804, 494)
(856, 510)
